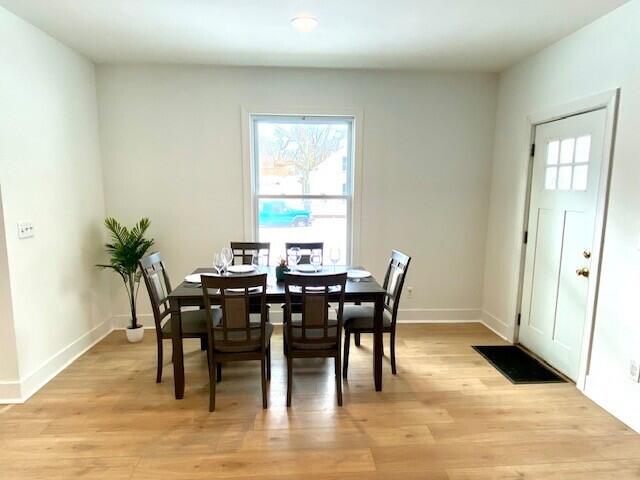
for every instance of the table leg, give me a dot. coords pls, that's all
(377, 342)
(178, 356)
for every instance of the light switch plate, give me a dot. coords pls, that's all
(634, 371)
(25, 230)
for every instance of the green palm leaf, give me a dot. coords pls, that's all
(125, 250)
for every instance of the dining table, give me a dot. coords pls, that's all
(190, 295)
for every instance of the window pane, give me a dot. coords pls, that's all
(303, 157)
(304, 220)
(552, 152)
(580, 173)
(550, 178)
(566, 150)
(564, 178)
(583, 145)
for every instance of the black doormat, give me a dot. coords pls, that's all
(517, 365)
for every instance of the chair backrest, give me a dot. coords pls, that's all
(158, 286)
(313, 294)
(394, 281)
(243, 252)
(235, 296)
(306, 249)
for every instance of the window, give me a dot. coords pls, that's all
(302, 188)
(567, 164)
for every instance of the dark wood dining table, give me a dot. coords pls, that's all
(190, 295)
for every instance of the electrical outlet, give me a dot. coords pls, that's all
(634, 371)
(409, 292)
(25, 230)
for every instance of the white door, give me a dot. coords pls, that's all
(564, 195)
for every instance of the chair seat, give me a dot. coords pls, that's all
(360, 317)
(311, 333)
(241, 336)
(194, 323)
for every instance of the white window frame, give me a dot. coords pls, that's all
(250, 172)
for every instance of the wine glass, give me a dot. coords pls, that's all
(334, 256)
(218, 263)
(294, 256)
(227, 256)
(316, 260)
(259, 261)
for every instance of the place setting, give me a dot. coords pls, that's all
(224, 266)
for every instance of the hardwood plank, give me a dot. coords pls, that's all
(256, 463)
(66, 468)
(604, 470)
(447, 415)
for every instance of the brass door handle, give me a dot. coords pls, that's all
(586, 254)
(582, 272)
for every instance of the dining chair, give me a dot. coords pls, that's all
(306, 249)
(315, 332)
(359, 318)
(239, 335)
(158, 286)
(244, 252)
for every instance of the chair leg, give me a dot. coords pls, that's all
(160, 360)
(338, 378)
(203, 343)
(218, 372)
(356, 336)
(269, 362)
(212, 383)
(393, 352)
(289, 379)
(263, 375)
(347, 341)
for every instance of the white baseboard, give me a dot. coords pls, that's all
(407, 315)
(10, 392)
(496, 325)
(438, 315)
(618, 396)
(20, 391)
(121, 322)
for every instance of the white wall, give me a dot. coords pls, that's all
(600, 57)
(50, 174)
(172, 150)
(9, 376)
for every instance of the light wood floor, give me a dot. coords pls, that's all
(446, 415)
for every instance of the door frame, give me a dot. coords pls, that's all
(609, 101)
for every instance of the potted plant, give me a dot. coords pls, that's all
(281, 269)
(126, 249)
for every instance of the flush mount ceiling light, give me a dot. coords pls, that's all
(304, 23)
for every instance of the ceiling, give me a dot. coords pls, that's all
(470, 35)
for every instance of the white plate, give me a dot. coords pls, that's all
(296, 288)
(357, 274)
(306, 268)
(241, 290)
(195, 277)
(241, 268)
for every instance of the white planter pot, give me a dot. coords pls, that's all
(135, 335)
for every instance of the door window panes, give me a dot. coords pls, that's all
(567, 164)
